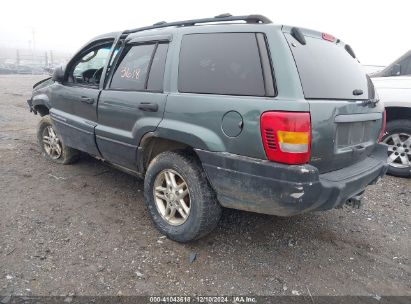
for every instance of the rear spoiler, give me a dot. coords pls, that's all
(300, 34)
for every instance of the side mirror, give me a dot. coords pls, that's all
(396, 70)
(58, 75)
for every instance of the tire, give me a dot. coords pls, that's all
(204, 210)
(60, 153)
(398, 132)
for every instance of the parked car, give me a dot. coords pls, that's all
(229, 114)
(371, 69)
(395, 92)
(400, 67)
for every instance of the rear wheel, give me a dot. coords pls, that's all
(398, 139)
(51, 145)
(179, 197)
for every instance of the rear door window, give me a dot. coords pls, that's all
(156, 76)
(221, 63)
(141, 68)
(327, 70)
(131, 73)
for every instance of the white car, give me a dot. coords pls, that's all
(395, 92)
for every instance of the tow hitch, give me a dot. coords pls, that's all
(355, 201)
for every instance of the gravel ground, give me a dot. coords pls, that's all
(83, 229)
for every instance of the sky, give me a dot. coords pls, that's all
(378, 31)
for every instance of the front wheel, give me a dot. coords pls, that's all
(51, 145)
(179, 197)
(398, 139)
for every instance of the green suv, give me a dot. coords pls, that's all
(230, 111)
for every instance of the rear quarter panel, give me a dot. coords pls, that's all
(196, 119)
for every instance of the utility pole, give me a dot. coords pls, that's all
(46, 60)
(17, 57)
(33, 33)
(51, 59)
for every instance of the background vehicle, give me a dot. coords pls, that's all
(400, 67)
(395, 92)
(214, 116)
(371, 69)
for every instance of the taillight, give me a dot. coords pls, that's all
(384, 123)
(286, 136)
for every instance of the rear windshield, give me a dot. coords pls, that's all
(327, 70)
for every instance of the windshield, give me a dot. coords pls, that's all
(328, 71)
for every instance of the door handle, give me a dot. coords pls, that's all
(88, 100)
(148, 107)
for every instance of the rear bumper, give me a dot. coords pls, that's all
(272, 188)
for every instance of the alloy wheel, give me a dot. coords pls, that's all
(51, 143)
(172, 197)
(399, 150)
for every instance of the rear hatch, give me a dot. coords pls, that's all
(346, 120)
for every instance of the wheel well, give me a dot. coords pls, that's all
(394, 113)
(155, 145)
(42, 110)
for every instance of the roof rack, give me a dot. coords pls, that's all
(219, 18)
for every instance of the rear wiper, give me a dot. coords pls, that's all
(372, 101)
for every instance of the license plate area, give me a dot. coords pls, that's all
(350, 134)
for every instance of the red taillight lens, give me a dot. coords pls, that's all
(384, 123)
(328, 37)
(286, 136)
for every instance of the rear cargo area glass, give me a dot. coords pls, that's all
(327, 70)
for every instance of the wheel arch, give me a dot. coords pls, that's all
(42, 110)
(394, 113)
(152, 144)
(41, 104)
(171, 136)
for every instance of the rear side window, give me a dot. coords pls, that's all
(156, 76)
(141, 68)
(221, 63)
(327, 70)
(131, 73)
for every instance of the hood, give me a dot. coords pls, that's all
(42, 83)
(395, 82)
(394, 91)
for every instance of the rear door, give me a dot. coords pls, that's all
(133, 102)
(345, 119)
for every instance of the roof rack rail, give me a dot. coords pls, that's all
(219, 18)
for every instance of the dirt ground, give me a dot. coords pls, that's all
(83, 229)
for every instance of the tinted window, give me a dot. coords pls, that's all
(406, 67)
(222, 63)
(327, 70)
(156, 76)
(131, 73)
